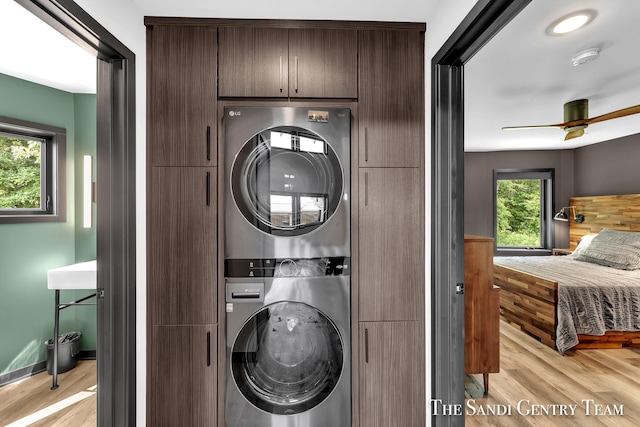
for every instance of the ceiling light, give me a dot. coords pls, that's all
(571, 22)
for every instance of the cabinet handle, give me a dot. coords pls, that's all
(208, 142)
(366, 145)
(208, 189)
(208, 348)
(366, 190)
(296, 71)
(281, 85)
(366, 345)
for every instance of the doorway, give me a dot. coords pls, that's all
(486, 19)
(115, 220)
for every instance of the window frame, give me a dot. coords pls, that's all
(54, 183)
(547, 190)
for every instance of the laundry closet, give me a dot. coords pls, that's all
(285, 232)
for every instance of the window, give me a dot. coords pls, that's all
(32, 172)
(523, 202)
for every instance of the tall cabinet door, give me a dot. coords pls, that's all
(391, 98)
(391, 244)
(392, 385)
(253, 62)
(183, 363)
(181, 96)
(323, 63)
(182, 246)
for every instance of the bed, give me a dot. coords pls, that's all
(574, 301)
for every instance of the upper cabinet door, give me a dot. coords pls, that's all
(391, 98)
(281, 63)
(323, 63)
(253, 62)
(182, 96)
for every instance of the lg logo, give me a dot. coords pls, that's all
(234, 113)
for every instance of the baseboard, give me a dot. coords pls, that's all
(18, 374)
(36, 368)
(87, 355)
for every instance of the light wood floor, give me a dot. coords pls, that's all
(21, 399)
(534, 374)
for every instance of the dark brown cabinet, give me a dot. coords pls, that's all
(181, 96)
(182, 246)
(391, 242)
(392, 368)
(295, 63)
(391, 98)
(481, 309)
(183, 361)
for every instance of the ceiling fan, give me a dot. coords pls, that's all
(576, 118)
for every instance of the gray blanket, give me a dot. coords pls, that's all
(592, 299)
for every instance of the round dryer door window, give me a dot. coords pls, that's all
(287, 358)
(287, 181)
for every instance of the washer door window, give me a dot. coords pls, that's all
(287, 358)
(287, 181)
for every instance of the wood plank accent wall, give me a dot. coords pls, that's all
(617, 212)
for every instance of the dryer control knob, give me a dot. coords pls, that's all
(288, 268)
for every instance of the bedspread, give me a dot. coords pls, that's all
(592, 299)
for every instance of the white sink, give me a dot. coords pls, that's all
(75, 276)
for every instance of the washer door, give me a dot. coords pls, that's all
(287, 181)
(287, 358)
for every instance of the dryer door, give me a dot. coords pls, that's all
(287, 358)
(287, 181)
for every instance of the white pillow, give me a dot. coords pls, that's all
(584, 242)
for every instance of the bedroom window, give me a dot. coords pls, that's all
(32, 172)
(523, 209)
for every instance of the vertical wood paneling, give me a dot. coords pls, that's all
(253, 62)
(392, 374)
(327, 63)
(183, 392)
(391, 258)
(391, 98)
(181, 96)
(182, 246)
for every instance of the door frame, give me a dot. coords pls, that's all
(115, 225)
(483, 22)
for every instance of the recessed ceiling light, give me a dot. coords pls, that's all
(571, 22)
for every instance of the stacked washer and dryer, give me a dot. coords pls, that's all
(287, 266)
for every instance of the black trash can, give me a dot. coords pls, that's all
(68, 351)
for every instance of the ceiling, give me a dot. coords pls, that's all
(521, 77)
(33, 51)
(524, 76)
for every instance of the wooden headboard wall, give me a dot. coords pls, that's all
(620, 212)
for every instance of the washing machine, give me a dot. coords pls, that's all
(288, 342)
(287, 182)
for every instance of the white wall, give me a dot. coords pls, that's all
(124, 19)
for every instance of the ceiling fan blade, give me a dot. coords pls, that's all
(560, 125)
(574, 134)
(615, 114)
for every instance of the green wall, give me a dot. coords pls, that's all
(27, 251)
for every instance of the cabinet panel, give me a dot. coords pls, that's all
(182, 246)
(391, 244)
(280, 62)
(182, 96)
(183, 364)
(323, 63)
(392, 391)
(391, 98)
(481, 308)
(253, 62)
